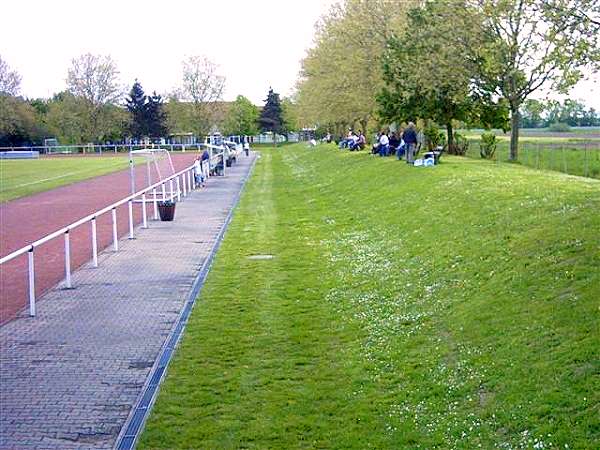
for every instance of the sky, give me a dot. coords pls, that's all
(256, 43)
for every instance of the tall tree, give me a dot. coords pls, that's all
(341, 74)
(156, 116)
(95, 79)
(18, 124)
(241, 118)
(429, 71)
(10, 80)
(536, 44)
(136, 105)
(271, 118)
(203, 86)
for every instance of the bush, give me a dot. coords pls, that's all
(559, 127)
(459, 146)
(434, 137)
(487, 146)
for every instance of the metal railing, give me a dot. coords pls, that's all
(180, 183)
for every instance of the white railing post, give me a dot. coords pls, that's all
(154, 204)
(164, 192)
(130, 207)
(114, 229)
(144, 220)
(31, 282)
(67, 260)
(171, 188)
(191, 180)
(94, 244)
(184, 182)
(178, 184)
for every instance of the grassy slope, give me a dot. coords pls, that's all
(452, 307)
(20, 178)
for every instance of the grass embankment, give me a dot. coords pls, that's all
(20, 178)
(446, 307)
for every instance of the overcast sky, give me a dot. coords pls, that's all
(256, 43)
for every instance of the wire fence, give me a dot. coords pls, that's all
(580, 158)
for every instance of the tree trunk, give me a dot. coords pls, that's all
(363, 124)
(450, 136)
(514, 133)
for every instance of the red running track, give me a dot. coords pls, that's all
(28, 219)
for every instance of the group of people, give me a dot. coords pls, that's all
(400, 144)
(354, 141)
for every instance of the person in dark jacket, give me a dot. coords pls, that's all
(394, 143)
(410, 140)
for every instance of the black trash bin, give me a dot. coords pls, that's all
(166, 210)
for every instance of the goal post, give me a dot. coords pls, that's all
(157, 166)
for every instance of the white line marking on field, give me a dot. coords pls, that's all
(59, 176)
(45, 179)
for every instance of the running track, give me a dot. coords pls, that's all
(25, 220)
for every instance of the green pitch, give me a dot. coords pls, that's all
(20, 178)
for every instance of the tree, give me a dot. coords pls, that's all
(95, 79)
(136, 105)
(66, 119)
(203, 86)
(241, 118)
(428, 70)
(342, 73)
(532, 112)
(18, 124)
(289, 110)
(271, 115)
(536, 44)
(10, 80)
(156, 116)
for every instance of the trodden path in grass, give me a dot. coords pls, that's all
(27, 219)
(453, 307)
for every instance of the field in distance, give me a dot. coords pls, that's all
(20, 178)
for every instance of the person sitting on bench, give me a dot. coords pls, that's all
(394, 143)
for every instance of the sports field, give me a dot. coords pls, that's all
(394, 307)
(20, 178)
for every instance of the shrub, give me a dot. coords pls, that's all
(459, 146)
(559, 127)
(434, 137)
(487, 146)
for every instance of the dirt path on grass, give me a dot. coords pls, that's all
(27, 219)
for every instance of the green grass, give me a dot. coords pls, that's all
(446, 307)
(20, 178)
(570, 156)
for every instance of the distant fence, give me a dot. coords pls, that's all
(193, 145)
(580, 158)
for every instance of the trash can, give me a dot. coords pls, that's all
(166, 210)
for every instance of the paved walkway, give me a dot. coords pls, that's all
(71, 375)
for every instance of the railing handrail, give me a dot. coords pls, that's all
(71, 226)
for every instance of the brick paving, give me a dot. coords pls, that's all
(71, 375)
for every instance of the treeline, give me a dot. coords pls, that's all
(96, 108)
(541, 114)
(444, 61)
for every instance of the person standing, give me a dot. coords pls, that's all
(384, 144)
(410, 140)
